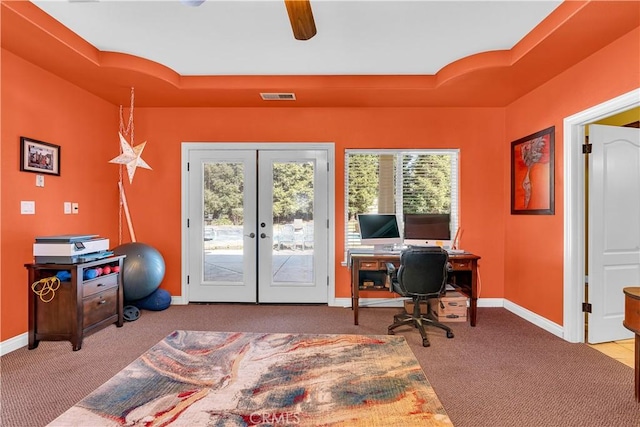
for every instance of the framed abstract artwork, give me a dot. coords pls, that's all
(532, 174)
(39, 157)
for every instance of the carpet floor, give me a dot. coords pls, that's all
(504, 372)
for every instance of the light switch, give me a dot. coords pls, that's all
(74, 208)
(27, 207)
(67, 207)
(39, 180)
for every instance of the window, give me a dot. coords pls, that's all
(399, 181)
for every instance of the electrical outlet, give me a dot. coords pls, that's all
(28, 207)
(67, 207)
(74, 208)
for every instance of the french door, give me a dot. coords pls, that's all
(257, 225)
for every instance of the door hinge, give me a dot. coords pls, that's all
(586, 307)
(187, 222)
(187, 166)
(327, 281)
(327, 223)
(187, 279)
(586, 148)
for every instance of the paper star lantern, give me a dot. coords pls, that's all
(131, 157)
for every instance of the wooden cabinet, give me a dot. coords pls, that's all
(79, 305)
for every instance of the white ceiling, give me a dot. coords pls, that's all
(254, 37)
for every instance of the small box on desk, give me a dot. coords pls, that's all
(372, 284)
(451, 307)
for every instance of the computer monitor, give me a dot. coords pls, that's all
(379, 230)
(427, 230)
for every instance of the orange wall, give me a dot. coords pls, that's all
(521, 255)
(534, 244)
(39, 105)
(155, 198)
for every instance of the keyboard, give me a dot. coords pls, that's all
(455, 251)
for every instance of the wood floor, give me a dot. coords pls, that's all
(619, 350)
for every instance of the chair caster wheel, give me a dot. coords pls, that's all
(449, 334)
(425, 343)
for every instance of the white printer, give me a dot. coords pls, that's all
(70, 248)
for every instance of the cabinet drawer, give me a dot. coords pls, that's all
(99, 284)
(464, 264)
(369, 265)
(99, 306)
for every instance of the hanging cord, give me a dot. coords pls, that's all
(124, 131)
(46, 286)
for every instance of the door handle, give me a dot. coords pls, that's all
(262, 235)
(252, 235)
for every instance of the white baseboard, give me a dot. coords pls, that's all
(527, 315)
(22, 340)
(367, 302)
(14, 343)
(397, 302)
(534, 318)
(490, 302)
(178, 300)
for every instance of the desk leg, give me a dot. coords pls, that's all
(474, 293)
(637, 368)
(354, 304)
(355, 297)
(33, 312)
(474, 311)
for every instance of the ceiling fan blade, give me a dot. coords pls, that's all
(301, 17)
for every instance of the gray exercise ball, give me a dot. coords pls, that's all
(142, 271)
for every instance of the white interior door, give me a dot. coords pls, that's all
(257, 226)
(614, 227)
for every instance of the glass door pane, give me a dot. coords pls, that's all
(223, 220)
(222, 223)
(291, 202)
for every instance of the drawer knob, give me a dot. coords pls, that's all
(102, 302)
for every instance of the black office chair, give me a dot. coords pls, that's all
(422, 275)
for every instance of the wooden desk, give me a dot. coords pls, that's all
(632, 322)
(372, 267)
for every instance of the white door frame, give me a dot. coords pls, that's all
(331, 190)
(574, 210)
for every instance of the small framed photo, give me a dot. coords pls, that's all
(532, 174)
(39, 157)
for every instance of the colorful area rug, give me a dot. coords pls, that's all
(194, 378)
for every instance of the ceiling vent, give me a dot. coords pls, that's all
(278, 96)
